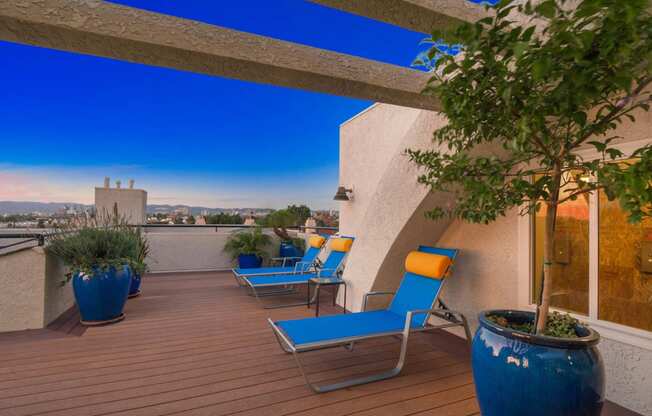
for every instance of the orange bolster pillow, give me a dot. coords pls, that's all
(316, 241)
(341, 244)
(429, 265)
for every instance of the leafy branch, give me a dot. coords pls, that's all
(523, 102)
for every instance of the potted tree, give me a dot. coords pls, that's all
(280, 221)
(523, 101)
(99, 258)
(247, 247)
(138, 261)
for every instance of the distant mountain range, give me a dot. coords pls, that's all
(26, 207)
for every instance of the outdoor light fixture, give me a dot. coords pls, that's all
(342, 194)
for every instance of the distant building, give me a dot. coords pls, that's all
(131, 203)
(182, 211)
(310, 224)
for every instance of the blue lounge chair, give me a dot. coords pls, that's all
(305, 264)
(285, 283)
(409, 311)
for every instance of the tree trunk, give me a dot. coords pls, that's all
(282, 233)
(548, 251)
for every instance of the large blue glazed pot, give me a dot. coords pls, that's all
(134, 288)
(249, 261)
(523, 374)
(288, 249)
(101, 297)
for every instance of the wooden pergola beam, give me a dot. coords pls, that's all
(417, 15)
(104, 29)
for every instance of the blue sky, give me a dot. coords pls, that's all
(69, 120)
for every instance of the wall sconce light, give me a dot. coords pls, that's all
(342, 194)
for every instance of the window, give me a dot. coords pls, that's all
(570, 268)
(624, 268)
(597, 251)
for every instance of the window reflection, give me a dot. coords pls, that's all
(625, 267)
(570, 270)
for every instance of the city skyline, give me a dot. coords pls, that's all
(185, 138)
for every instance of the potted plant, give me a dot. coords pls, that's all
(99, 258)
(280, 221)
(523, 101)
(247, 247)
(138, 262)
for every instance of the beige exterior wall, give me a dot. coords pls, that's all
(187, 249)
(365, 151)
(32, 293)
(132, 203)
(386, 216)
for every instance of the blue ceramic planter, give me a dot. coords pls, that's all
(101, 297)
(134, 288)
(522, 374)
(249, 261)
(288, 249)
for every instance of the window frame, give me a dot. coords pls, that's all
(609, 330)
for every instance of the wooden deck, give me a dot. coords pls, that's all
(195, 344)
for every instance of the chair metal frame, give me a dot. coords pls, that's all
(453, 319)
(310, 267)
(287, 288)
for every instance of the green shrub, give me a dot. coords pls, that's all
(88, 245)
(558, 325)
(249, 241)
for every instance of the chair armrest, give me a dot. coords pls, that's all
(454, 317)
(332, 271)
(283, 260)
(374, 293)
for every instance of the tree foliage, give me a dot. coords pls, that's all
(529, 98)
(223, 218)
(282, 219)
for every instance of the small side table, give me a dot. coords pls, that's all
(318, 282)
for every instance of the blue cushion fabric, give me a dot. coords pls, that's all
(264, 270)
(415, 292)
(332, 327)
(450, 252)
(309, 257)
(280, 279)
(334, 260)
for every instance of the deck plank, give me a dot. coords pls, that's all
(196, 344)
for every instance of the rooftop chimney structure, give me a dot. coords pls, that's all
(131, 203)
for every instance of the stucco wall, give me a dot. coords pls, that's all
(21, 297)
(368, 142)
(486, 273)
(32, 295)
(629, 375)
(58, 296)
(132, 203)
(188, 249)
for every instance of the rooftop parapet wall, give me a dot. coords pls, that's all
(33, 293)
